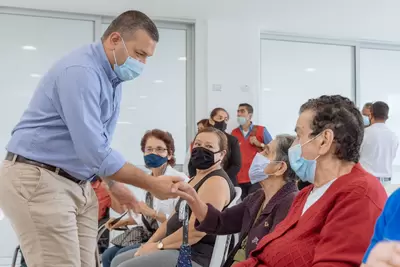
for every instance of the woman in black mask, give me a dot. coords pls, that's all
(219, 118)
(213, 186)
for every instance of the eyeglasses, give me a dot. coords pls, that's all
(158, 150)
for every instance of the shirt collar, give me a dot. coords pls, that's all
(250, 128)
(288, 188)
(103, 60)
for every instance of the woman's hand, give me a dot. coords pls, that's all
(146, 249)
(384, 254)
(188, 193)
(146, 210)
(120, 223)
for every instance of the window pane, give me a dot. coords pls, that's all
(293, 72)
(29, 47)
(380, 81)
(157, 99)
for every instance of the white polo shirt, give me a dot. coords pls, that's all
(378, 150)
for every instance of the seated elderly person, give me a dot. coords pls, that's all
(260, 212)
(213, 186)
(384, 249)
(331, 222)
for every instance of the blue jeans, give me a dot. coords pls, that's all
(111, 252)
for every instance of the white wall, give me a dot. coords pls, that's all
(228, 33)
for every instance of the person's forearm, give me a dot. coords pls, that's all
(174, 240)
(161, 217)
(159, 234)
(130, 174)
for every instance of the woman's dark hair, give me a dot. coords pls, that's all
(222, 139)
(341, 115)
(283, 143)
(216, 110)
(164, 136)
(204, 122)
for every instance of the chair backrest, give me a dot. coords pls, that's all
(222, 242)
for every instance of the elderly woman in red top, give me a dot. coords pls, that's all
(331, 222)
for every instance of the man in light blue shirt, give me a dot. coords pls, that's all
(63, 141)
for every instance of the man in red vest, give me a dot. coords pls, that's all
(252, 139)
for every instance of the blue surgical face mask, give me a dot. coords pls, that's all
(304, 168)
(256, 171)
(131, 68)
(154, 160)
(366, 120)
(241, 120)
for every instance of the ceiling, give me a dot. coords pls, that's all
(198, 9)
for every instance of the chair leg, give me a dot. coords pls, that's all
(14, 259)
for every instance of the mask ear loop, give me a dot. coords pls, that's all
(115, 59)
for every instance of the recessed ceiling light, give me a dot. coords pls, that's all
(132, 108)
(310, 69)
(267, 89)
(158, 81)
(182, 58)
(124, 122)
(29, 47)
(143, 96)
(35, 75)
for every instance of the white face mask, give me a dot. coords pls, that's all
(256, 171)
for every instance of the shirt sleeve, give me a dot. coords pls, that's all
(267, 136)
(79, 90)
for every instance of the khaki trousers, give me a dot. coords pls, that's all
(54, 218)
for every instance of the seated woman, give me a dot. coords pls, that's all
(218, 119)
(213, 186)
(158, 151)
(261, 211)
(331, 222)
(201, 124)
(383, 247)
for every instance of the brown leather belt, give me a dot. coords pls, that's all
(10, 157)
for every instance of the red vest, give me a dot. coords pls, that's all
(247, 150)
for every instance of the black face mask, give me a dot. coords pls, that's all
(202, 158)
(220, 125)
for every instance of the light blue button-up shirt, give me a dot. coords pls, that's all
(72, 116)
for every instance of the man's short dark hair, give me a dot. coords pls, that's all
(248, 107)
(341, 115)
(131, 21)
(380, 110)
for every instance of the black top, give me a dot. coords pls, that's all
(233, 161)
(202, 250)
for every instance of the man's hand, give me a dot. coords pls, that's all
(384, 254)
(254, 141)
(124, 196)
(161, 187)
(188, 193)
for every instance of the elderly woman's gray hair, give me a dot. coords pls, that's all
(283, 143)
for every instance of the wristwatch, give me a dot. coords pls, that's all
(160, 245)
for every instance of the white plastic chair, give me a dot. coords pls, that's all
(222, 242)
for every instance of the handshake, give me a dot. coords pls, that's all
(162, 187)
